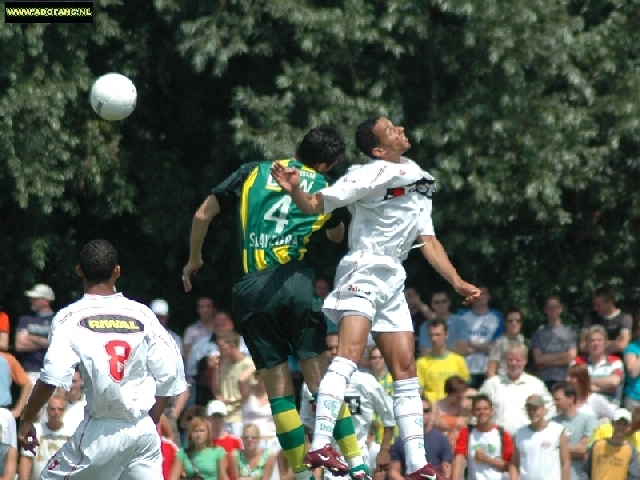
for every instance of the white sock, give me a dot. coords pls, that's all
(407, 408)
(330, 399)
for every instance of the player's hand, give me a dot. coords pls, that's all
(287, 178)
(190, 269)
(383, 460)
(27, 437)
(471, 293)
(481, 456)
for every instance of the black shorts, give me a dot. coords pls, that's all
(278, 314)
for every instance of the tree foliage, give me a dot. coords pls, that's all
(526, 112)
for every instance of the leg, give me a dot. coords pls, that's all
(397, 348)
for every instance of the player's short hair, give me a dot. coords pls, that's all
(321, 145)
(366, 139)
(98, 259)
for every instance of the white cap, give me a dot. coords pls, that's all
(622, 414)
(216, 407)
(41, 291)
(160, 307)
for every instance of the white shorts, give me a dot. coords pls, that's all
(374, 286)
(108, 449)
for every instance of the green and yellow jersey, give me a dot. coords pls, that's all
(273, 229)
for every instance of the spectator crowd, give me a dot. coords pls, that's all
(563, 404)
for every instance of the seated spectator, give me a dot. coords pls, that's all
(457, 328)
(200, 457)
(614, 458)
(5, 328)
(605, 371)
(541, 448)
(256, 408)
(8, 461)
(509, 392)
(224, 384)
(12, 372)
(632, 369)
(616, 323)
(485, 326)
(498, 355)
(632, 433)
(252, 462)
(434, 369)
(578, 426)
(487, 447)
(586, 400)
(51, 436)
(437, 447)
(450, 413)
(554, 345)
(217, 415)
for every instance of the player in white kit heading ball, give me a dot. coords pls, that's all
(130, 366)
(389, 199)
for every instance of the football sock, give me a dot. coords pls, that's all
(290, 432)
(407, 408)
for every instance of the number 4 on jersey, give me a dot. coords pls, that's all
(118, 352)
(278, 213)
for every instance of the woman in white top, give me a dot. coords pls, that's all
(586, 400)
(256, 408)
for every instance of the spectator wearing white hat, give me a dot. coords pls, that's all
(161, 308)
(614, 458)
(32, 333)
(217, 413)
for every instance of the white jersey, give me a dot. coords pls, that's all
(539, 449)
(364, 397)
(126, 356)
(390, 204)
(50, 442)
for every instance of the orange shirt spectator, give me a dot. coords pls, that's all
(4, 331)
(12, 371)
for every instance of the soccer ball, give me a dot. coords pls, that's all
(113, 96)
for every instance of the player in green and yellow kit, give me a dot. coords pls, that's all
(274, 307)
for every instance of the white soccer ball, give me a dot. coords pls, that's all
(113, 96)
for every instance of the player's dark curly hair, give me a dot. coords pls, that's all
(98, 259)
(321, 145)
(366, 139)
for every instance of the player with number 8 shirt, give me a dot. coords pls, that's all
(131, 367)
(274, 306)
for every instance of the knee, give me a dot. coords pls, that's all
(403, 368)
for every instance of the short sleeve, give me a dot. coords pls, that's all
(23, 321)
(230, 189)
(634, 468)
(446, 451)
(169, 375)
(462, 442)
(507, 447)
(18, 375)
(626, 322)
(60, 359)
(495, 354)
(424, 339)
(535, 340)
(358, 182)
(461, 328)
(397, 451)
(425, 222)
(4, 323)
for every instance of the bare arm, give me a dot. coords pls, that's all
(181, 402)
(561, 359)
(25, 467)
(223, 466)
(25, 390)
(565, 457)
(336, 234)
(433, 251)
(383, 459)
(579, 450)
(10, 465)
(606, 384)
(25, 342)
(289, 181)
(458, 465)
(268, 468)
(158, 408)
(395, 473)
(199, 227)
(445, 467)
(4, 341)
(514, 466)
(620, 343)
(244, 382)
(176, 469)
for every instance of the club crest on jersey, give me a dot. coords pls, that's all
(112, 324)
(425, 186)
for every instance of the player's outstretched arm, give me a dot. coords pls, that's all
(434, 252)
(199, 227)
(289, 180)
